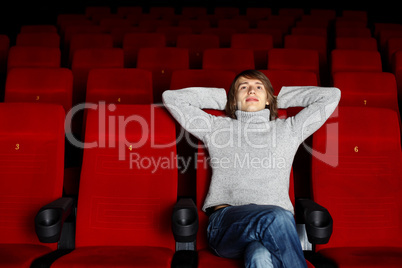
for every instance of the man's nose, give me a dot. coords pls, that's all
(251, 90)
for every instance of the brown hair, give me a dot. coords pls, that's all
(231, 106)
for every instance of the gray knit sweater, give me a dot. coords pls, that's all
(251, 157)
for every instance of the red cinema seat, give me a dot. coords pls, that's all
(91, 10)
(196, 45)
(172, 32)
(132, 42)
(356, 175)
(367, 89)
(193, 12)
(224, 34)
(352, 32)
(394, 44)
(259, 43)
(202, 78)
(89, 40)
(160, 12)
(239, 25)
(318, 43)
(162, 62)
(32, 157)
(197, 26)
(364, 43)
(206, 258)
(397, 70)
(125, 199)
(38, 39)
(346, 60)
(40, 85)
(294, 60)
(230, 59)
(39, 57)
(119, 86)
(86, 59)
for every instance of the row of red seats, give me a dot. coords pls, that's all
(124, 210)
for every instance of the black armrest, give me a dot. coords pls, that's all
(185, 228)
(50, 219)
(317, 219)
(185, 221)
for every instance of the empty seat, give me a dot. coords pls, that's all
(294, 60)
(126, 201)
(32, 157)
(197, 26)
(367, 89)
(89, 40)
(352, 32)
(202, 78)
(239, 25)
(196, 44)
(24, 56)
(318, 43)
(255, 14)
(109, 23)
(40, 85)
(89, 58)
(356, 174)
(119, 86)
(397, 70)
(284, 23)
(231, 59)
(344, 60)
(300, 30)
(276, 33)
(224, 34)
(160, 12)
(172, 32)
(394, 44)
(153, 24)
(259, 43)
(38, 39)
(132, 42)
(162, 62)
(364, 43)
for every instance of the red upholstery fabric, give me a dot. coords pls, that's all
(356, 175)
(38, 39)
(162, 62)
(40, 85)
(29, 56)
(196, 44)
(89, 40)
(120, 86)
(32, 162)
(126, 199)
(21, 255)
(365, 43)
(346, 60)
(294, 60)
(202, 78)
(89, 58)
(172, 32)
(132, 42)
(230, 59)
(117, 256)
(259, 43)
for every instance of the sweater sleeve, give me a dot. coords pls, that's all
(319, 103)
(186, 106)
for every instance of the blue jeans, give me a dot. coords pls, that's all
(264, 235)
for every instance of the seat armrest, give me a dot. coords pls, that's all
(317, 219)
(185, 221)
(50, 219)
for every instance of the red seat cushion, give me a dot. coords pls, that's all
(365, 257)
(117, 256)
(20, 255)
